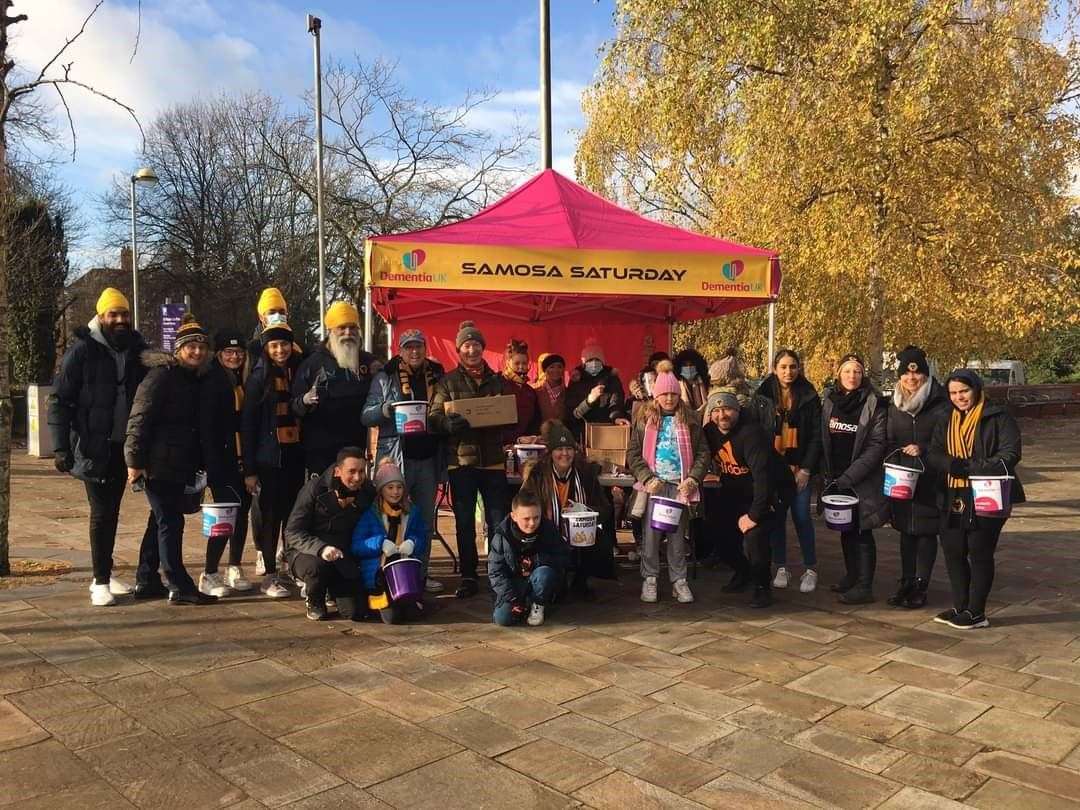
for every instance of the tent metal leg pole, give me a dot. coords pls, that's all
(772, 333)
(389, 341)
(368, 319)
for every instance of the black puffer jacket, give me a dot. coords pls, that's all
(475, 447)
(920, 514)
(81, 408)
(864, 473)
(220, 430)
(336, 421)
(805, 417)
(610, 406)
(504, 559)
(258, 420)
(163, 429)
(319, 520)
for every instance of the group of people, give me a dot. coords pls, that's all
(716, 467)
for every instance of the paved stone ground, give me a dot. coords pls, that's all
(615, 704)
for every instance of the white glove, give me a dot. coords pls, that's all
(406, 548)
(387, 410)
(388, 548)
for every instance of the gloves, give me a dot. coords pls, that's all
(456, 423)
(387, 410)
(959, 468)
(388, 548)
(517, 609)
(62, 461)
(406, 548)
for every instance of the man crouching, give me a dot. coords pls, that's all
(319, 532)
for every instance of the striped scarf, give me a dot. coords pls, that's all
(571, 486)
(405, 380)
(682, 438)
(285, 425)
(960, 439)
(238, 403)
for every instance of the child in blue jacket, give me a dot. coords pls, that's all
(392, 528)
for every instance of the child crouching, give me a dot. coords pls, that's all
(527, 560)
(391, 529)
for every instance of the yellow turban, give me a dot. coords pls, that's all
(341, 313)
(271, 298)
(111, 298)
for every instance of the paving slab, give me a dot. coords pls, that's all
(664, 767)
(935, 745)
(546, 682)
(621, 791)
(39, 769)
(97, 795)
(177, 715)
(676, 728)
(823, 781)
(87, 727)
(700, 699)
(1042, 739)
(16, 729)
(748, 753)
(245, 683)
(935, 776)
(612, 704)
(931, 709)
(1006, 698)
(767, 722)
(843, 686)
(584, 735)
(864, 754)
(478, 731)
(863, 723)
(561, 768)
(732, 791)
(1028, 772)
(516, 709)
(999, 795)
(911, 798)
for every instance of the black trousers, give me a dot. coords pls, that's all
(722, 531)
(104, 499)
(758, 544)
(232, 492)
(278, 488)
(918, 552)
(339, 579)
(465, 484)
(969, 558)
(163, 541)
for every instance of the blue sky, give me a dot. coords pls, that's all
(192, 48)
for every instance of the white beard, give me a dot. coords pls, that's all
(346, 354)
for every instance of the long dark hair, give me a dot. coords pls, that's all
(692, 357)
(794, 355)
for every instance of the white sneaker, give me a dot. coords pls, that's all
(273, 588)
(303, 590)
(260, 566)
(235, 579)
(808, 582)
(782, 578)
(632, 555)
(100, 595)
(536, 615)
(682, 591)
(331, 604)
(433, 586)
(648, 590)
(213, 585)
(117, 587)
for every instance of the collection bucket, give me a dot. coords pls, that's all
(666, 514)
(579, 528)
(219, 519)
(840, 511)
(527, 453)
(991, 495)
(900, 482)
(403, 578)
(410, 416)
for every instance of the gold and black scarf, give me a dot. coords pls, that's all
(960, 439)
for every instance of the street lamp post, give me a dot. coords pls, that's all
(143, 175)
(314, 26)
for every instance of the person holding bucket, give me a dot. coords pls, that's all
(668, 455)
(163, 454)
(561, 477)
(273, 459)
(853, 446)
(978, 447)
(918, 404)
(390, 540)
(408, 380)
(796, 434)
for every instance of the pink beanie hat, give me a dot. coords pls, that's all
(666, 383)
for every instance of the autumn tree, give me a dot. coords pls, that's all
(910, 160)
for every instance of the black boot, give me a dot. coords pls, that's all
(899, 599)
(863, 591)
(848, 580)
(917, 597)
(739, 580)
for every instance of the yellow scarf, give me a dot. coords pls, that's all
(389, 510)
(960, 440)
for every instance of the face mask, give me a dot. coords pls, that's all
(594, 367)
(277, 319)
(688, 372)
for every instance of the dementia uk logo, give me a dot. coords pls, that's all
(731, 271)
(411, 261)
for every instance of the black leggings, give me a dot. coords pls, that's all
(278, 488)
(918, 552)
(969, 558)
(233, 492)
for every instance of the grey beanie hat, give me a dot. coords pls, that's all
(467, 331)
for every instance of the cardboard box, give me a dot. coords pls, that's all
(486, 411)
(607, 458)
(607, 437)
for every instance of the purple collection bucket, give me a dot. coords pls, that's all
(666, 514)
(841, 512)
(403, 578)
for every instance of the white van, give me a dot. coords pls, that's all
(1000, 372)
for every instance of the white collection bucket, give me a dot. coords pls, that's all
(900, 482)
(219, 519)
(991, 495)
(666, 514)
(840, 511)
(410, 416)
(527, 453)
(579, 528)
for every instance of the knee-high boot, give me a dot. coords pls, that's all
(847, 582)
(866, 562)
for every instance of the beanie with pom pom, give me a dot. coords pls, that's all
(467, 331)
(666, 382)
(190, 332)
(387, 473)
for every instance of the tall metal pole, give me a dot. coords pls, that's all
(314, 28)
(772, 334)
(134, 264)
(545, 82)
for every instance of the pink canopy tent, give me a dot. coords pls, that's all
(554, 264)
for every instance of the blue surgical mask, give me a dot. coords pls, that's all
(277, 319)
(688, 372)
(594, 367)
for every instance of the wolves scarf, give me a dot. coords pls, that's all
(960, 439)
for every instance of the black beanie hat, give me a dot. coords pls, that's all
(912, 358)
(554, 434)
(968, 377)
(551, 358)
(228, 339)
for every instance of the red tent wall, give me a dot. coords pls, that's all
(626, 346)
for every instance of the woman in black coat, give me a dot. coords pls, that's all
(918, 404)
(853, 446)
(978, 438)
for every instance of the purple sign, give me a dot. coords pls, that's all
(171, 315)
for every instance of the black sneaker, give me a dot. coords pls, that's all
(467, 588)
(316, 610)
(965, 621)
(196, 598)
(946, 616)
(737, 584)
(843, 586)
(150, 590)
(858, 595)
(762, 597)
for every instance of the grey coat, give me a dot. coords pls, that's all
(386, 388)
(865, 475)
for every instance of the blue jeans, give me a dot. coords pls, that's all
(163, 541)
(804, 529)
(539, 588)
(465, 484)
(420, 483)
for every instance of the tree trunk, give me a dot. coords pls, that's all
(6, 409)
